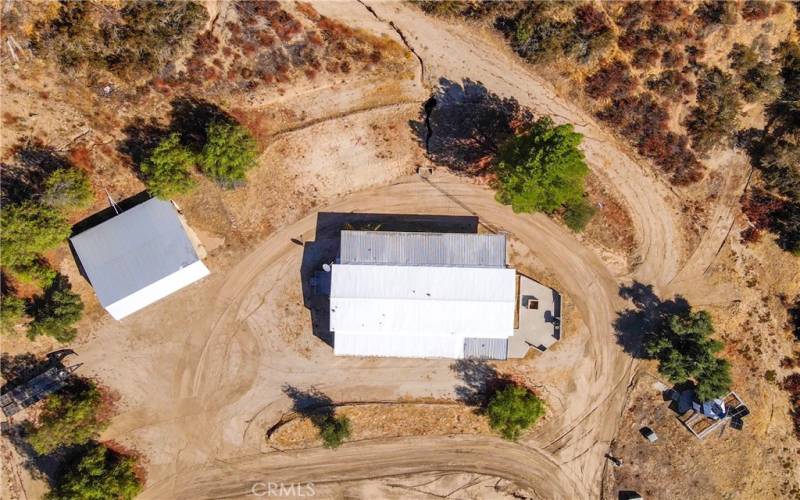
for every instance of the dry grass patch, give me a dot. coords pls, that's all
(372, 421)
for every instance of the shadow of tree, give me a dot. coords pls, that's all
(480, 380)
(462, 126)
(311, 403)
(141, 137)
(648, 316)
(189, 117)
(33, 162)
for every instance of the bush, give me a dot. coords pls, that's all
(334, 431)
(542, 169)
(612, 80)
(717, 12)
(539, 36)
(228, 153)
(755, 10)
(68, 188)
(643, 121)
(683, 346)
(779, 165)
(28, 229)
(757, 79)
(69, 417)
(670, 84)
(645, 57)
(715, 116)
(100, 474)
(512, 410)
(168, 170)
(12, 312)
(136, 40)
(54, 313)
(577, 215)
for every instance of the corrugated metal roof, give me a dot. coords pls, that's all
(422, 249)
(486, 348)
(417, 300)
(133, 250)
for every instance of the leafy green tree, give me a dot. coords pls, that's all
(542, 170)
(334, 431)
(28, 229)
(228, 154)
(12, 312)
(100, 474)
(683, 346)
(68, 188)
(56, 311)
(70, 417)
(512, 410)
(168, 170)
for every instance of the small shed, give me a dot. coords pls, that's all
(138, 257)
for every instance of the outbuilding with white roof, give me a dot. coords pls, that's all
(138, 257)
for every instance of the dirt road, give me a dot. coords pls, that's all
(370, 460)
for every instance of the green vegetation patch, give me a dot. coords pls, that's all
(543, 170)
(513, 409)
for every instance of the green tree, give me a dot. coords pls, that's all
(714, 380)
(168, 170)
(68, 188)
(228, 154)
(56, 311)
(28, 229)
(512, 410)
(334, 431)
(69, 417)
(542, 170)
(683, 346)
(100, 474)
(12, 312)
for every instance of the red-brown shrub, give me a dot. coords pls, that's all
(644, 57)
(613, 80)
(590, 21)
(755, 10)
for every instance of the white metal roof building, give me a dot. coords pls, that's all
(138, 257)
(422, 295)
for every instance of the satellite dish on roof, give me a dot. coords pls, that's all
(326, 268)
